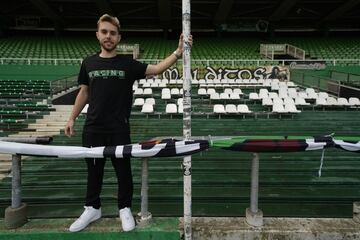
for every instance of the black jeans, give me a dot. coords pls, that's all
(95, 167)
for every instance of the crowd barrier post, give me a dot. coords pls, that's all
(254, 216)
(16, 214)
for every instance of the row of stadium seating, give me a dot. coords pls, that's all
(157, 48)
(22, 102)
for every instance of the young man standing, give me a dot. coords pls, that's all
(106, 81)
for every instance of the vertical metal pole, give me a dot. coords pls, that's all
(144, 188)
(145, 215)
(254, 183)
(254, 216)
(16, 214)
(16, 182)
(187, 116)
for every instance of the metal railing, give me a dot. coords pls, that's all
(37, 61)
(320, 83)
(206, 62)
(59, 85)
(16, 216)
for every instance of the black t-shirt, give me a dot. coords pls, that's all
(110, 82)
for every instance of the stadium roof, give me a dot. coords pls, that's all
(206, 15)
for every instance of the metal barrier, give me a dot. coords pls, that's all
(207, 62)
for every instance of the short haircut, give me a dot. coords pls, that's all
(107, 18)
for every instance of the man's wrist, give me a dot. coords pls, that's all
(177, 55)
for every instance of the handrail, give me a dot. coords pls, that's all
(15, 215)
(28, 61)
(56, 61)
(61, 84)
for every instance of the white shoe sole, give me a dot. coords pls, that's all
(81, 228)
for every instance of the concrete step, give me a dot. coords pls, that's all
(211, 228)
(34, 134)
(104, 228)
(60, 113)
(5, 157)
(57, 119)
(3, 175)
(46, 124)
(5, 167)
(48, 129)
(63, 108)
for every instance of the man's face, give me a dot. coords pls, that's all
(108, 36)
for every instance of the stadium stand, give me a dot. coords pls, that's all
(54, 188)
(43, 49)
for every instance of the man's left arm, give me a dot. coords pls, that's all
(169, 61)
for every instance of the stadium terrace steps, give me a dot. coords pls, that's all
(221, 179)
(49, 125)
(105, 228)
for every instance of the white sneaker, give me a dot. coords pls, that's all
(89, 215)
(127, 219)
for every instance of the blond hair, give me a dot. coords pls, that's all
(107, 18)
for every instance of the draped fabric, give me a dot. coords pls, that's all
(171, 147)
(161, 148)
(273, 145)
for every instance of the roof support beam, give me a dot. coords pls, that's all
(223, 11)
(282, 10)
(48, 12)
(340, 11)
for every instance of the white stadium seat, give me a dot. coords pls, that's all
(230, 108)
(303, 95)
(291, 108)
(150, 101)
(146, 85)
(342, 102)
(139, 102)
(243, 108)
(323, 95)
(147, 91)
(273, 95)
(215, 96)
(147, 108)
(278, 108)
(321, 101)
(264, 93)
(301, 101)
(354, 101)
(290, 84)
(202, 92)
(180, 108)
(267, 102)
(254, 96)
(278, 101)
(331, 101)
(138, 91)
(175, 91)
(171, 108)
(179, 101)
(228, 90)
(289, 100)
(234, 96)
(219, 108)
(165, 94)
(224, 96)
(237, 90)
(210, 91)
